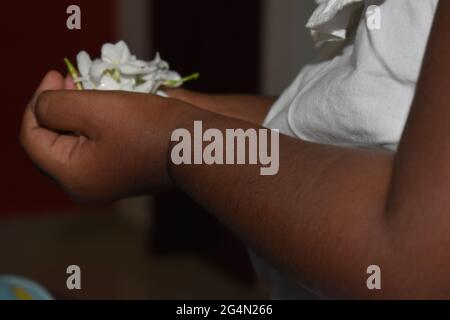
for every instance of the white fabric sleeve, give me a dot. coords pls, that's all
(362, 97)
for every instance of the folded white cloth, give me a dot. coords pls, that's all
(331, 19)
(361, 96)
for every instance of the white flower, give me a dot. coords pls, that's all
(84, 66)
(117, 57)
(117, 69)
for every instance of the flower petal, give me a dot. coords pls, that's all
(88, 85)
(109, 54)
(146, 87)
(159, 63)
(115, 53)
(162, 94)
(150, 76)
(127, 85)
(124, 51)
(108, 83)
(98, 68)
(132, 68)
(84, 63)
(169, 76)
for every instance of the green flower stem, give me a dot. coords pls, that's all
(172, 83)
(73, 73)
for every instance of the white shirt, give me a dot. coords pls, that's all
(360, 95)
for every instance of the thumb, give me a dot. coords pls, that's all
(84, 112)
(66, 111)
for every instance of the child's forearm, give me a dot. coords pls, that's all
(332, 212)
(249, 108)
(320, 218)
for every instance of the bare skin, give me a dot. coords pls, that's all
(328, 214)
(244, 107)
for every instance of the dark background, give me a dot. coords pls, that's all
(35, 40)
(219, 39)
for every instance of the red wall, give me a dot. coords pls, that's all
(34, 39)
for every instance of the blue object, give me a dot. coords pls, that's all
(18, 288)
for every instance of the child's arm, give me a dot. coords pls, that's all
(326, 217)
(331, 212)
(244, 107)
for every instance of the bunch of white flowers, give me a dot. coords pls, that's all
(118, 69)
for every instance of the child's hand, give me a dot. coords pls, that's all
(100, 145)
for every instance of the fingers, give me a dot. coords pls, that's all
(52, 81)
(69, 84)
(36, 140)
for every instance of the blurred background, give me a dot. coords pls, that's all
(164, 246)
